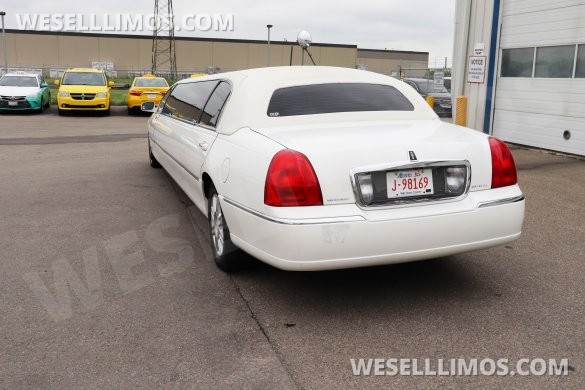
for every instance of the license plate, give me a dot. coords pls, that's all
(152, 95)
(413, 182)
(12, 104)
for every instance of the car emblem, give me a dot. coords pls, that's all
(412, 156)
(12, 98)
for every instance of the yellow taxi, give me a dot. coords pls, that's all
(147, 88)
(83, 89)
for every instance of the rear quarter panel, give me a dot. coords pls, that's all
(237, 165)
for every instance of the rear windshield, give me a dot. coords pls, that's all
(150, 83)
(84, 78)
(338, 97)
(18, 81)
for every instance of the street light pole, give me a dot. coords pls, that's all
(268, 26)
(2, 14)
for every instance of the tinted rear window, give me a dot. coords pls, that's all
(341, 97)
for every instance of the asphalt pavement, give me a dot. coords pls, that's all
(106, 281)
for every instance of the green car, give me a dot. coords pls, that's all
(24, 91)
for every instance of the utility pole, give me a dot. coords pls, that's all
(268, 26)
(164, 55)
(2, 14)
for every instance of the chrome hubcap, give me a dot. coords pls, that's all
(217, 227)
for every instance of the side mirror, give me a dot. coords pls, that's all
(44, 85)
(148, 107)
(110, 84)
(57, 82)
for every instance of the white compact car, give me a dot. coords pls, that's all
(317, 168)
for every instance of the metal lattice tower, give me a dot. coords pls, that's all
(164, 57)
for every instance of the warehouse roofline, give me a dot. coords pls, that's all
(178, 38)
(393, 51)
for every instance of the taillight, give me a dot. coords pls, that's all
(163, 93)
(291, 181)
(503, 166)
(135, 93)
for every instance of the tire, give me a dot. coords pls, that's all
(48, 102)
(152, 160)
(42, 107)
(61, 112)
(107, 112)
(227, 257)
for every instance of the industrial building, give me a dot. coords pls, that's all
(522, 66)
(133, 53)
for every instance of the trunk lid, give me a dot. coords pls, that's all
(335, 150)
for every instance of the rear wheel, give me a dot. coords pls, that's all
(225, 254)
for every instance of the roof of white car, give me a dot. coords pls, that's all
(21, 74)
(253, 89)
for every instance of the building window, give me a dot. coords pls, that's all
(555, 62)
(517, 62)
(580, 71)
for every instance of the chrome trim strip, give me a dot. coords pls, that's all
(172, 158)
(401, 203)
(281, 221)
(500, 202)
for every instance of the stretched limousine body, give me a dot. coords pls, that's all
(315, 168)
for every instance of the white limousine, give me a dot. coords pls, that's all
(317, 168)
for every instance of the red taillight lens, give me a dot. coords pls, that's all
(503, 166)
(291, 181)
(135, 93)
(163, 93)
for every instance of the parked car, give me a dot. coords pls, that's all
(317, 168)
(443, 104)
(24, 91)
(84, 89)
(144, 89)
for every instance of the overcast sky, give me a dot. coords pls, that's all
(419, 25)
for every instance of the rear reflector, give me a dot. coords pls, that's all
(291, 181)
(503, 166)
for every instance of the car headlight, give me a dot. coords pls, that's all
(64, 94)
(102, 95)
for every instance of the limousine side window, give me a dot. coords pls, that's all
(187, 100)
(215, 105)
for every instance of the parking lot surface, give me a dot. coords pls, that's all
(107, 282)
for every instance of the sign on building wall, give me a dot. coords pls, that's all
(476, 69)
(439, 80)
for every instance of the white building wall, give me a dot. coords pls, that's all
(538, 111)
(526, 110)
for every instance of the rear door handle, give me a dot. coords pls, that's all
(204, 146)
